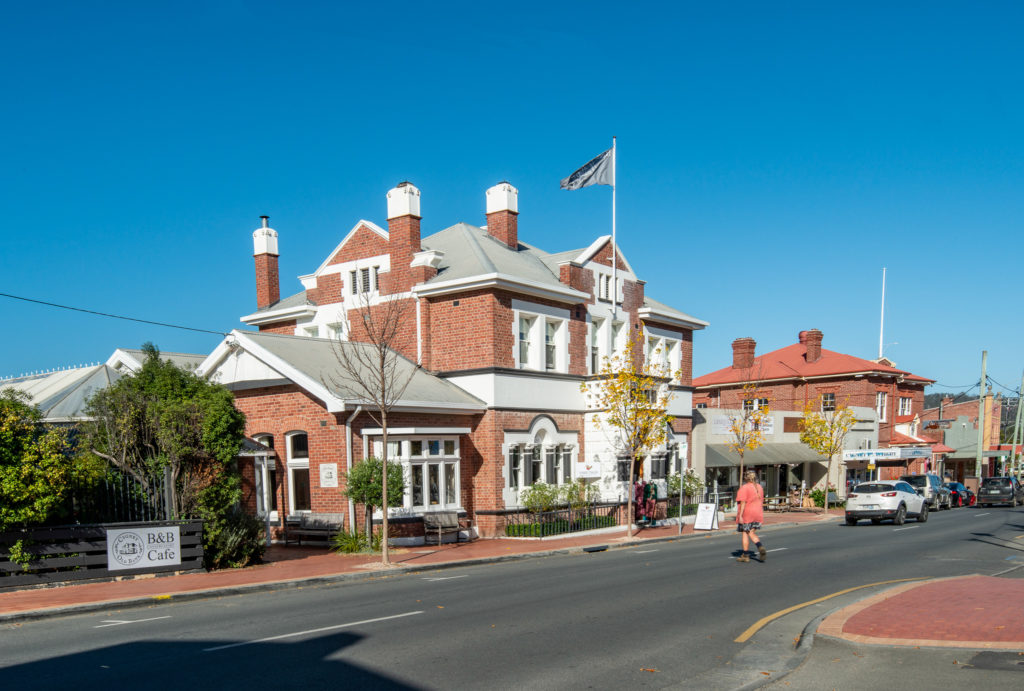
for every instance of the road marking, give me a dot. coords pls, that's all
(303, 633)
(979, 515)
(446, 578)
(760, 623)
(119, 622)
(909, 527)
(645, 551)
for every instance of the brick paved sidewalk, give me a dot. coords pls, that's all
(283, 565)
(961, 612)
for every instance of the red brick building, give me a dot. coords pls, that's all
(503, 335)
(789, 378)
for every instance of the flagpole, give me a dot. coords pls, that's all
(615, 252)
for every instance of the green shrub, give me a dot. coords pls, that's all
(232, 541)
(349, 542)
(688, 510)
(818, 497)
(547, 528)
(539, 497)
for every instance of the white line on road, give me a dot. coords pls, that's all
(445, 578)
(909, 527)
(645, 551)
(119, 622)
(979, 515)
(303, 633)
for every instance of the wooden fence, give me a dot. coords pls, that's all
(77, 552)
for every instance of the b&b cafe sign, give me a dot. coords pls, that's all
(143, 548)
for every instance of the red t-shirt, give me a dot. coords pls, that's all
(753, 503)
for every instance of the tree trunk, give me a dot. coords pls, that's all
(369, 524)
(630, 491)
(385, 556)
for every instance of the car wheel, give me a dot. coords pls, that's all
(876, 521)
(850, 520)
(923, 516)
(901, 515)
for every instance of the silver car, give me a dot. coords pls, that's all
(883, 500)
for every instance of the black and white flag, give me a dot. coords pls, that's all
(598, 171)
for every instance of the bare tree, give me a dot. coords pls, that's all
(371, 371)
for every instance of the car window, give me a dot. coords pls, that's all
(872, 488)
(994, 482)
(904, 487)
(916, 480)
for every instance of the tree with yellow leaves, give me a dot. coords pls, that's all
(824, 430)
(633, 396)
(746, 429)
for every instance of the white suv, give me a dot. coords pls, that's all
(931, 488)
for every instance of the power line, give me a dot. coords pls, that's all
(112, 316)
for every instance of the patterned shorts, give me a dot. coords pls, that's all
(747, 527)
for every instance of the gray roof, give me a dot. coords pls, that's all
(471, 251)
(317, 359)
(653, 304)
(62, 396)
(297, 300)
(186, 361)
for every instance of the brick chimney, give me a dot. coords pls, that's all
(743, 353)
(503, 214)
(403, 234)
(264, 242)
(812, 339)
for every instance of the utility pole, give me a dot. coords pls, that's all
(1014, 461)
(981, 414)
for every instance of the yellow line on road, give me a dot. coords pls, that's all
(760, 623)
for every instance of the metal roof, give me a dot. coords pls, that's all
(721, 456)
(62, 396)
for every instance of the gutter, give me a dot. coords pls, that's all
(348, 464)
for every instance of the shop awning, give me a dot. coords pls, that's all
(721, 456)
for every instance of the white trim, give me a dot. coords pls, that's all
(415, 430)
(657, 315)
(369, 225)
(257, 318)
(497, 280)
(586, 255)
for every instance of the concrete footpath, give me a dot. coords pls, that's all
(977, 612)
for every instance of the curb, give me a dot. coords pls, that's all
(288, 584)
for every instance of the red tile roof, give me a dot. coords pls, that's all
(899, 439)
(941, 448)
(790, 363)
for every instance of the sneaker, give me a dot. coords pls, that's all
(762, 552)
(743, 557)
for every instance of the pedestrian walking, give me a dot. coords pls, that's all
(749, 515)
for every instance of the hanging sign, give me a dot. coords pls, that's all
(141, 548)
(707, 517)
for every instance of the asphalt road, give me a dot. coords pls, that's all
(656, 615)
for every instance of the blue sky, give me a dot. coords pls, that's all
(773, 157)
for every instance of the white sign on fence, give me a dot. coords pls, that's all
(707, 517)
(142, 548)
(588, 469)
(328, 474)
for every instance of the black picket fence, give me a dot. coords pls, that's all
(114, 498)
(559, 521)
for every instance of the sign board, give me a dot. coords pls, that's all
(722, 425)
(916, 452)
(328, 474)
(870, 455)
(142, 548)
(588, 469)
(707, 517)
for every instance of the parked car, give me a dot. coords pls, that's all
(960, 495)
(1000, 490)
(930, 487)
(885, 499)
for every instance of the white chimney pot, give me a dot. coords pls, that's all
(502, 197)
(264, 241)
(404, 200)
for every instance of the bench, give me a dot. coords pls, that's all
(436, 524)
(321, 526)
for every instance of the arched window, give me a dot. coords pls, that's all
(266, 477)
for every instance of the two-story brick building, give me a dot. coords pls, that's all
(883, 397)
(502, 335)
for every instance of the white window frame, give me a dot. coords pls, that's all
(363, 278)
(881, 404)
(828, 407)
(520, 444)
(906, 405)
(297, 464)
(536, 320)
(264, 488)
(416, 468)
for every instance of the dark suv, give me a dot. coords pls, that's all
(1000, 490)
(931, 488)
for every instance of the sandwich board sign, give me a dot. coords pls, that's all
(707, 517)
